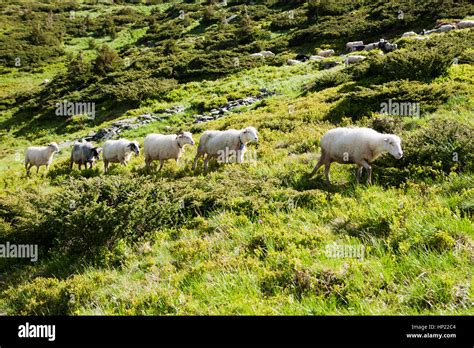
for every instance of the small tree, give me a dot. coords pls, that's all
(107, 60)
(79, 69)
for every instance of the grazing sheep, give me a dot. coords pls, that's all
(465, 24)
(420, 38)
(83, 153)
(361, 146)
(387, 46)
(354, 59)
(444, 28)
(224, 144)
(257, 55)
(316, 57)
(118, 151)
(40, 156)
(409, 33)
(428, 32)
(267, 54)
(326, 53)
(163, 147)
(371, 46)
(350, 45)
(302, 57)
(293, 62)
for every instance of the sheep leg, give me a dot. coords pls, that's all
(161, 164)
(37, 169)
(28, 167)
(206, 161)
(359, 173)
(369, 171)
(147, 162)
(318, 165)
(80, 166)
(196, 159)
(326, 172)
(106, 166)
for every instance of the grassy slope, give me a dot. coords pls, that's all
(264, 252)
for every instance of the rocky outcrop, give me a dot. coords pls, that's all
(214, 114)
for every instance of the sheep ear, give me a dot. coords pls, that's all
(386, 140)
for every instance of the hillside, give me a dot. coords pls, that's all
(252, 238)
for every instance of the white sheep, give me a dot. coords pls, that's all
(361, 146)
(293, 62)
(163, 147)
(445, 27)
(316, 57)
(257, 55)
(354, 59)
(350, 46)
(420, 38)
(371, 46)
(118, 151)
(465, 24)
(224, 144)
(409, 33)
(267, 54)
(40, 156)
(326, 53)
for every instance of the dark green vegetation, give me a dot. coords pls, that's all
(241, 239)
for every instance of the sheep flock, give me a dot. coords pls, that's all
(360, 146)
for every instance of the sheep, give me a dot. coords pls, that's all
(445, 27)
(293, 62)
(118, 151)
(163, 147)
(40, 156)
(428, 32)
(224, 144)
(257, 55)
(387, 46)
(316, 57)
(302, 57)
(361, 146)
(83, 153)
(371, 46)
(409, 33)
(350, 45)
(326, 53)
(420, 38)
(267, 54)
(465, 24)
(354, 59)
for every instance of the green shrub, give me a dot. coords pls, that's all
(107, 61)
(363, 101)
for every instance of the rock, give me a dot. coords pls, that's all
(124, 121)
(226, 108)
